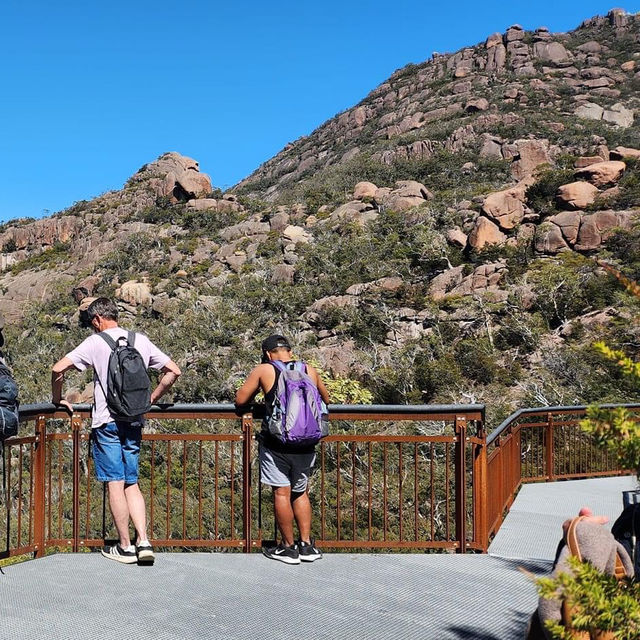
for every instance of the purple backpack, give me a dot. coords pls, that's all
(298, 416)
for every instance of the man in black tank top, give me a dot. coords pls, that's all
(282, 466)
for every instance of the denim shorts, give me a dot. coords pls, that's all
(286, 469)
(116, 450)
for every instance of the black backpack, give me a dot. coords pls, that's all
(128, 391)
(626, 530)
(8, 404)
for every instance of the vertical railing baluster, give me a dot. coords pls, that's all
(152, 489)
(75, 453)
(233, 488)
(447, 481)
(549, 447)
(215, 491)
(338, 505)
(416, 525)
(60, 486)
(432, 508)
(353, 490)
(184, 489)
(323, 497)
(49, 454)
(39, 489)
(400, 496)
(200, 490)
(369, 493)
(20, 496)
(32, 453)
(247, 437)
(461, 483)
(480, 485)
(384, 490)
(88, 513)
(168, 535)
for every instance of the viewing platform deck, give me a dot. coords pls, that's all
(230, 596)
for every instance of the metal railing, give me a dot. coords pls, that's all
(542, 444)
(388, 477)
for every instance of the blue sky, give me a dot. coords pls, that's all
(92, 91)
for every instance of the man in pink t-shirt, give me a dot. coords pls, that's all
(116, 444)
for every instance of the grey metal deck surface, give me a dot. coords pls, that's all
(533, 526)
(235, 596)
(229, 596)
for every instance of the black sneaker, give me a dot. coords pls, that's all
(283, 553)
(117, 553)
(145, 552)
(308, 551)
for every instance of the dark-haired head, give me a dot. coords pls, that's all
(272, 344)
(103, 307)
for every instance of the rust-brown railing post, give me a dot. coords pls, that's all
(76, 423)
(39, 487)
(247, 520)
(480, 490)
(549, 451)
(461, 483)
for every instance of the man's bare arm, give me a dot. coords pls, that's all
(246, 393)
(57, 377)
(317, 380)
(171, 373)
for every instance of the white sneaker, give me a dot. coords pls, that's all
(117, 553)
(145, 552)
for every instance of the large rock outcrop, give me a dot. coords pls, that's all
(174, 176)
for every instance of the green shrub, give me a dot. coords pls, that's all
(541, 195)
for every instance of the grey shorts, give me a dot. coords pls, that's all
(286, 469)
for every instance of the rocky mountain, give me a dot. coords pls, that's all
(538, 84)
(436, 243)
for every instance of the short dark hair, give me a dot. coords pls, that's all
(103, 307)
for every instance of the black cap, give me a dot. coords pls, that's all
(275, 342)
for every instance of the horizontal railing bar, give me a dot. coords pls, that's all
(228, 410)
(175, 542)
(192, 437)
(394, 438)
(387, 544)
(505, 424)
(17, 552)
(171, 542)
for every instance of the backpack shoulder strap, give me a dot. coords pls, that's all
(572, 538)
(300, 366)
(131, 338)
(108, 339)
(619, 572)
(278, 365)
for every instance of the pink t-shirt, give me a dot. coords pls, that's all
(94, 352)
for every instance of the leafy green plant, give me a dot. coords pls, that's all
(47, 259)
(541, 195)
(343, 390)
(599, 602)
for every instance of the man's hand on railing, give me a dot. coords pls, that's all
(64, 404)
(241, 409)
